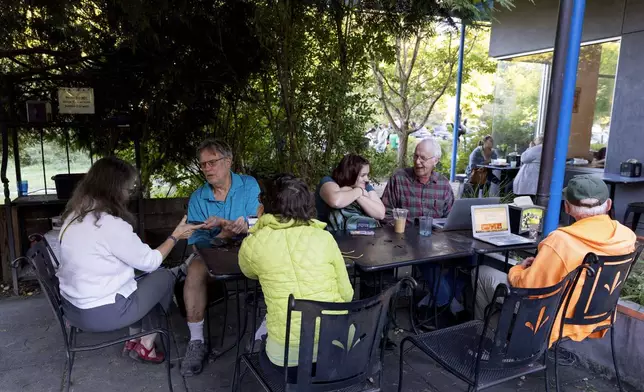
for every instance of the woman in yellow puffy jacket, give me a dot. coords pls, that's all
(291, 253)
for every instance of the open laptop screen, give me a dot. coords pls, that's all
(491, 219)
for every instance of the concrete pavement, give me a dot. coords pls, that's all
(32, 358)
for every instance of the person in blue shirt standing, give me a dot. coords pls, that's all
(224, 204)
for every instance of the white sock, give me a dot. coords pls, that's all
(262, 330)
(196, 331)
(455, 306)
(424, 301)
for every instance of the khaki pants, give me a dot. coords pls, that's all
(489, 279)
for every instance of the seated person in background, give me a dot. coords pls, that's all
(424, 192)
(599, 159)
(99, 252)
(481, 155)
(586, 200)
(525, 183)
(346, 194)
(291, 253)
(223, 203)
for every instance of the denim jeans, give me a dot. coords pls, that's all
(448, 287)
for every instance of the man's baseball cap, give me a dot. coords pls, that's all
(584, 187)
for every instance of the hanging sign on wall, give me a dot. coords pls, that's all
(73, 100)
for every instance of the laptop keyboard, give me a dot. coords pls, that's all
(511, 238)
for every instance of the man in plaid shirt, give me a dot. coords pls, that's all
(423, 192)
(420, 189)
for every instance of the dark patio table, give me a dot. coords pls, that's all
(507, 168)
(222, 263)
(507, 174)
(388, 250)
(481, 249)
(612, 179)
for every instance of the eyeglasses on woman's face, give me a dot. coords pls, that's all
(132, 190)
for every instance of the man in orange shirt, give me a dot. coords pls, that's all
(586, 200)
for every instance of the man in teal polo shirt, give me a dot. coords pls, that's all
(224, 204)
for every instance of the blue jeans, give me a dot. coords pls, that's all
(448, 287)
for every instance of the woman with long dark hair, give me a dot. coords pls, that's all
(99, 254)
(348, 189)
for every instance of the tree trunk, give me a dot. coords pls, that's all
(403, 139)
(335, 127)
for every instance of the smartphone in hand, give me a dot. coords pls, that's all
(196, 223)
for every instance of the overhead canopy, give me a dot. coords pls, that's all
(531, 27)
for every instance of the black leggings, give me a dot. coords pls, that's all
(277, 372)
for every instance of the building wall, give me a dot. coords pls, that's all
(633, 17)
(532, 27)
(596, 353)
(627, 122)
(582, 120)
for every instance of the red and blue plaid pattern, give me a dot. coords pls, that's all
(403, 190)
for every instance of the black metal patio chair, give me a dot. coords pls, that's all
(40, 257)
(482, 354)
(349, 334)
(598, 297)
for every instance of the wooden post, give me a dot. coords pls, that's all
(4, 118)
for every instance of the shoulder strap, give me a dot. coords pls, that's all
(60, 239)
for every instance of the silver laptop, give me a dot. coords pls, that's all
(491, 224)
(459, 217)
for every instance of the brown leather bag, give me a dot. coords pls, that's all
(478, 176)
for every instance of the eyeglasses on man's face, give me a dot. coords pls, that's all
(210, 164)
(421, 158)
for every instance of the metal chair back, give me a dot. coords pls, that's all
(42, 259)
(524, 325)
(602, 285)
(343, 335)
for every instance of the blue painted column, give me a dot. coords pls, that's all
(565, 117)
(457, 116)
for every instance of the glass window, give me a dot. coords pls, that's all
(521, 94)
(39, 182)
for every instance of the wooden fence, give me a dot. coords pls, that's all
(5, 270)
(160, 217)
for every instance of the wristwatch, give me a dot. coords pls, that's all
(173, 238)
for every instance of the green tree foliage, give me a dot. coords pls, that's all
(164, 66)
(516, 105)
(281, 81)
(421, 71)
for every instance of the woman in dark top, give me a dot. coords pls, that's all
(348, 188)
(484, 154)
(481, 155)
